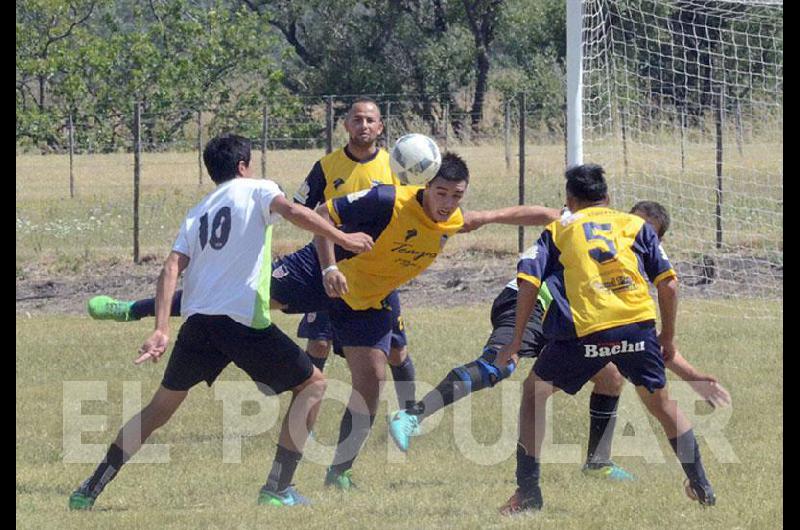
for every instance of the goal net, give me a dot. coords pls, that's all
(683, 104)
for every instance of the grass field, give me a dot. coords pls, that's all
(447, 480)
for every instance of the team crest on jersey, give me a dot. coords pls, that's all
(531, 253)
(280, 272)
(337, 183)
(411, 233)
(311, 317)
(353, 197)
(442, 241)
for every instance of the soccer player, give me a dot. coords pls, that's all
(358, 165)
(224, 248)
(482, 373)
(410, 226)
(596, 264)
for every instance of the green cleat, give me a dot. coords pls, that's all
(607, 471)
(80, 500)
(287, 497)
(107, 308)
(342, 481)
(402, 426)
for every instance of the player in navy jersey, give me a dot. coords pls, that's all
(597, 263)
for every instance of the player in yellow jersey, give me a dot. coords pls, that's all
(596, 264)
(410, 226)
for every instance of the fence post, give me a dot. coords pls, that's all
(71, 129)
(387, 125)
(137, 172)
(507, 133)
(719, 119)
(264, 135)
(199, 147)
(521, 229)
(446, 123)
(329, 126)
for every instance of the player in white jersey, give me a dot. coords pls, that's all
(224, 248)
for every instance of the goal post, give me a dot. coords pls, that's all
(682, 102)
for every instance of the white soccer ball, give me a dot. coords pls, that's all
(415, 158)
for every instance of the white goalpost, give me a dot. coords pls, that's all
(682, 102)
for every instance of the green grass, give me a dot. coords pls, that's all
(436, 486)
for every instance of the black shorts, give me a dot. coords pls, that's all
(504, 315)
(207, 343)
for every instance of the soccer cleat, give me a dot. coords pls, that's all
(288, 497)
(107, 308)
(402, 426)
(80, 500)
(523, 502)
(700, 492)
(342, 481)
(607, 471)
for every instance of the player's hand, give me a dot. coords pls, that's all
(668, 348)
(508, 353)
(153, 348)
(357, 242)
(335, 284)
(709, 389)
(472, 221)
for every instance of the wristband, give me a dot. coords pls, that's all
(328, 269)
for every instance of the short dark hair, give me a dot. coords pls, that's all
(656, 212)
(223, 154)
(363, 99)
(453, 169)
(587, 183)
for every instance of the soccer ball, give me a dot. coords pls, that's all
(415, 158)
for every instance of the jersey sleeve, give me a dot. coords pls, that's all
(654, 260)
(182, 241)
(362, 207)
(312, 191)
(533, 266)
(264, 195)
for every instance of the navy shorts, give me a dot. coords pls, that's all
(317, 325)
(206, 344)
(633, 348)
(297, 282)
(504, 319)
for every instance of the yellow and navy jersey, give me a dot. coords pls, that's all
(338, 174)
(407, 241)
(596, 264)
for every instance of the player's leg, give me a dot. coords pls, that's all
(645, 369)
(107, 308)
(401, 365)
(316, 327)
(192, 360)
(603, 402)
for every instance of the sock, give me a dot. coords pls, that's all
(404, 377)
(319, 362)
(105, 472)
(602, 420)
(147, 307)
(283, 467)
(353, 431)
(460, 382)
(527, 470)
(688, 452)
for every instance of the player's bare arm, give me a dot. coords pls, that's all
(333, 280)
(155, 346)
(526, 300)
(513, 215)
(668, 307)
(706, 385)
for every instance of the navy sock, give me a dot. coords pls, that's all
(404, 377)
(283, 468)
(106, 471)
(353, 431)
(147, 307)
(688, 452)
(319, 362)
(602, 420)
(527, 471)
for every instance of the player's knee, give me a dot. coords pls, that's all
(318, 348)
(398, 355)
(608, 381)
